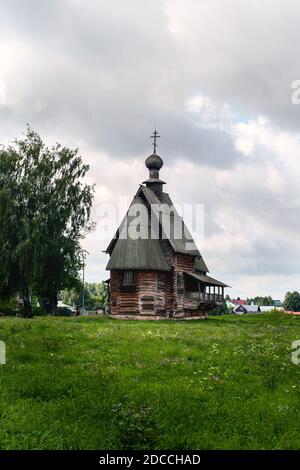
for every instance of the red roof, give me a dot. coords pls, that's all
(239, 302)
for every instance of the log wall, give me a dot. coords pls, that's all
(122, 299)
(181, 263)
(150, 294)
(155, 293)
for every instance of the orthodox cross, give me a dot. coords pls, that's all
(154, 136)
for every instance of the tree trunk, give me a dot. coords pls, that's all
(27, 309)
(53, 304)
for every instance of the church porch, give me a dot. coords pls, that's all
(201, 292)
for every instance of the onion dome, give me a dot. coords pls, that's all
(154, 162)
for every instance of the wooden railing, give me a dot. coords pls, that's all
(204, 296)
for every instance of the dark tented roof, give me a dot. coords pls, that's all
(206, 279)
(136, 253)
(179, 236)
(123, 225)
(139, 253)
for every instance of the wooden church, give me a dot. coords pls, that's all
(156, 270)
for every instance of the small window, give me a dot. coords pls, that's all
(128, 278)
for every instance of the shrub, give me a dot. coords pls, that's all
(220, 310)
(9, 308)
(64, 312)
(38, 311)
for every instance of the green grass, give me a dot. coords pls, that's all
(91, 383)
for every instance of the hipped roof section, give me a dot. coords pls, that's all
(136, 253)
(139, 253)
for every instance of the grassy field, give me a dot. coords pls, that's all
(88, 383)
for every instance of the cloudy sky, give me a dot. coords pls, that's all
(216, 77)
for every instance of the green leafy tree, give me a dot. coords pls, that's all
(46, 213)
(95, 294)
(71, 297)
(13, 246)
(261, 300)
(292, 301)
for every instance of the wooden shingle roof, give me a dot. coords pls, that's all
(200, 265)
(206, 279)
(185, 244)
(139, 253)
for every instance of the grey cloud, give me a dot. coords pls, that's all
(100, 73)
(96, 77)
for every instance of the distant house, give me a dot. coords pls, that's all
(277, 303)
(241, 309)
(269, 308)
(238, 301)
